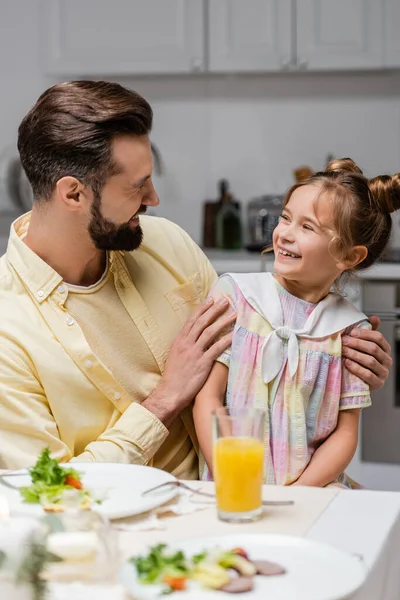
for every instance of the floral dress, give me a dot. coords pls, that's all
(301, 409)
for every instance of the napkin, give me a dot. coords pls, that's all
(184, 503)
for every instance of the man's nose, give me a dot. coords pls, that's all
(151, 199)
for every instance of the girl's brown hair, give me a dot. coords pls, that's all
(361, 208)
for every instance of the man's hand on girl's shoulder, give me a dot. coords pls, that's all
(367, 354)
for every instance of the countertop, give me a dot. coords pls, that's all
(242, 261)
(234, 261)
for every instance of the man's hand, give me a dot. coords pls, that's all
(367, 354)
(205, 335)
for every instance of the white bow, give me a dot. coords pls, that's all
(333, 314)
(272, 353)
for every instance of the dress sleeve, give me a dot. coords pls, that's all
(354, 391)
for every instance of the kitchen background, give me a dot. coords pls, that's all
(245, 90)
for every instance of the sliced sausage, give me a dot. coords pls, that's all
(264, 567)
(237, 585)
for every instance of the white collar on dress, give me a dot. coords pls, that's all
(332, 315)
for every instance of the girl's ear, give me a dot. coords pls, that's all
(354, 257)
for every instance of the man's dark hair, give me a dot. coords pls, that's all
(69, 131)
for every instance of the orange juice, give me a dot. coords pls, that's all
(238, 473)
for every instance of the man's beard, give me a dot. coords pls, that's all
(106, 235)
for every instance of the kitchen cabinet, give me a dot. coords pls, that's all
(255, 35)
(100, 37)
(392, 37)
(345, 34)
(273, 35)
(144, 37)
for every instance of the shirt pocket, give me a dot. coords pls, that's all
(185, 298)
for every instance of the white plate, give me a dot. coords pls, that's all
(124, 485)
(314, 571)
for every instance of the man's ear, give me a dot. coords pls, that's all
(72, 192)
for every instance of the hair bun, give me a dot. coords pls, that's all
(386, 192)
(347, 165)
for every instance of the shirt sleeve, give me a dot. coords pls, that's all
(225, 287)
(354, 391)
(27, 425)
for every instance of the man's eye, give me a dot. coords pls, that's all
(136, 191)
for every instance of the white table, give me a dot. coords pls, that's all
(361, 522)
(366, 523)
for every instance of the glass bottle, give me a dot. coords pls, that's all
(228, 221)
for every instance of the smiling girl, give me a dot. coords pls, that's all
(286, 353)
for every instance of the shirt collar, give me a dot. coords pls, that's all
(36, 274)
(39, 277)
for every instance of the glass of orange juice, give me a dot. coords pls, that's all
(238, 460)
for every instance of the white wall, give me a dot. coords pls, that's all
(253, 130)
(20, 76)
(256, 130)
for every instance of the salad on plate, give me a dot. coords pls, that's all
(215, 569)
(52, 483)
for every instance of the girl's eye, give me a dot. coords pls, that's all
(284, 218)
(308, 227)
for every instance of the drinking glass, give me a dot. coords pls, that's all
(83, 542)
(238, 460)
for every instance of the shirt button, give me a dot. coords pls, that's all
(117, 396)
(61, 289)
(88, 364)
(70, 321)
(40, 294)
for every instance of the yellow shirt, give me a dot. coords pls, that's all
(54, 389)
(118, 343)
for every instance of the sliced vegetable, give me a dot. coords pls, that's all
(176, 584)
(211, 575)
(230, 560)
(73, 482)
(241, 552)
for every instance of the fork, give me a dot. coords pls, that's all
(208, 495)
